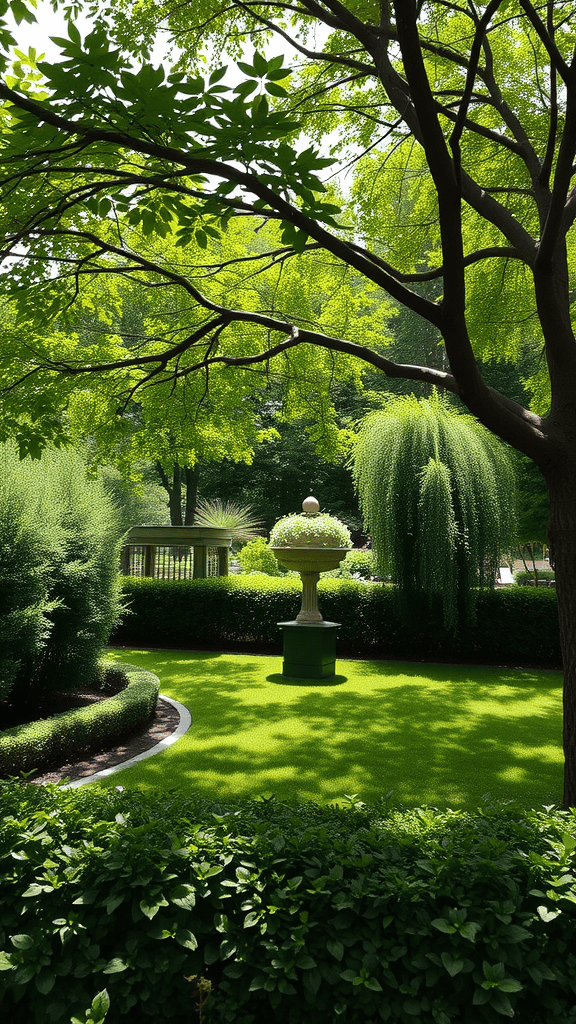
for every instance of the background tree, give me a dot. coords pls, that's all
(474, 108)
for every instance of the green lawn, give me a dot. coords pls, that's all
(438, 734)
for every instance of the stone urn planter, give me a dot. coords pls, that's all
(310, 544)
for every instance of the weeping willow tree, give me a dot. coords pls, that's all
(437, 493)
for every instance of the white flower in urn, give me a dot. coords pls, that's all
(311, 543)
(310, 529)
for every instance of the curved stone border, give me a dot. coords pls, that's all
(183, 726)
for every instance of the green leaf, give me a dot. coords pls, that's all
(548, 915)
(374, 985)
(100, 1005)
(184, 937)
(86, 898)
(336, 948)
(569, 842)
(469, 930)
(150, 907)
(247, 69)
(184, 896)
(115, 966)
(275, 90)
(45, 982)
(22, 941)
(112, 902)
(349, 975)
(412, 1007)
(33, 890)
(312, 980)
(501, 1003)
(510, 985)
(443, 926)
(260, 64)
(305, 962)
(5, 962)
(452, 965)
(217, 75)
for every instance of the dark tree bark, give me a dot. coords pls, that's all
(562, 541)
(191, 478)
(173, 488)
(182, 485)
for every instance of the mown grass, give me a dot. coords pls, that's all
(443, 735)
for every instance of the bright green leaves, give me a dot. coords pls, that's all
(20, 10)
(171, 151)
(90, 66)
(271, 72)
(96, 1013)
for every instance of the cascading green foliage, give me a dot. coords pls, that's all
(437, 492)
(59, 550)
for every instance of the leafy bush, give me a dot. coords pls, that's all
(23, 600)
(357, 564)
(59, 556)
(285, 912)
(256, 556)
(310, 530)
(528, 579)
(50, 742)
(514, 625)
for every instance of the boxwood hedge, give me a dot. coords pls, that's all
(514, 626)
(73, 734)
(175, 910)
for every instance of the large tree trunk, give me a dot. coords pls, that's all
(191, 477)
(562, 537)
(173, 488)
(175, 497)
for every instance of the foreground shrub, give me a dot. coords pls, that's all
(59, 556)
(24, 605)
(71, 735)
(514, 626)
(292, 913)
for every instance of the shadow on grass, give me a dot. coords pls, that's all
(444, 735)
(282, 680)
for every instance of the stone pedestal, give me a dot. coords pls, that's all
(309, 649)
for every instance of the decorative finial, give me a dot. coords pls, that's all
(311, 505)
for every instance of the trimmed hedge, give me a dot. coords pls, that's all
(515, 626)
(74, 734)
(190, 911)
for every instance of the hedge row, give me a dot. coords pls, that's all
(72, 735)
(193, 911)
(515, 626)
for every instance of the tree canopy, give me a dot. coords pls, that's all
(424, 149)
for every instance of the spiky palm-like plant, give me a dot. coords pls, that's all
(228, 515)
(437, 492)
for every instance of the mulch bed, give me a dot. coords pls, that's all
(162, 724)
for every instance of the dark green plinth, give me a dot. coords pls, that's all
(309, 649)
